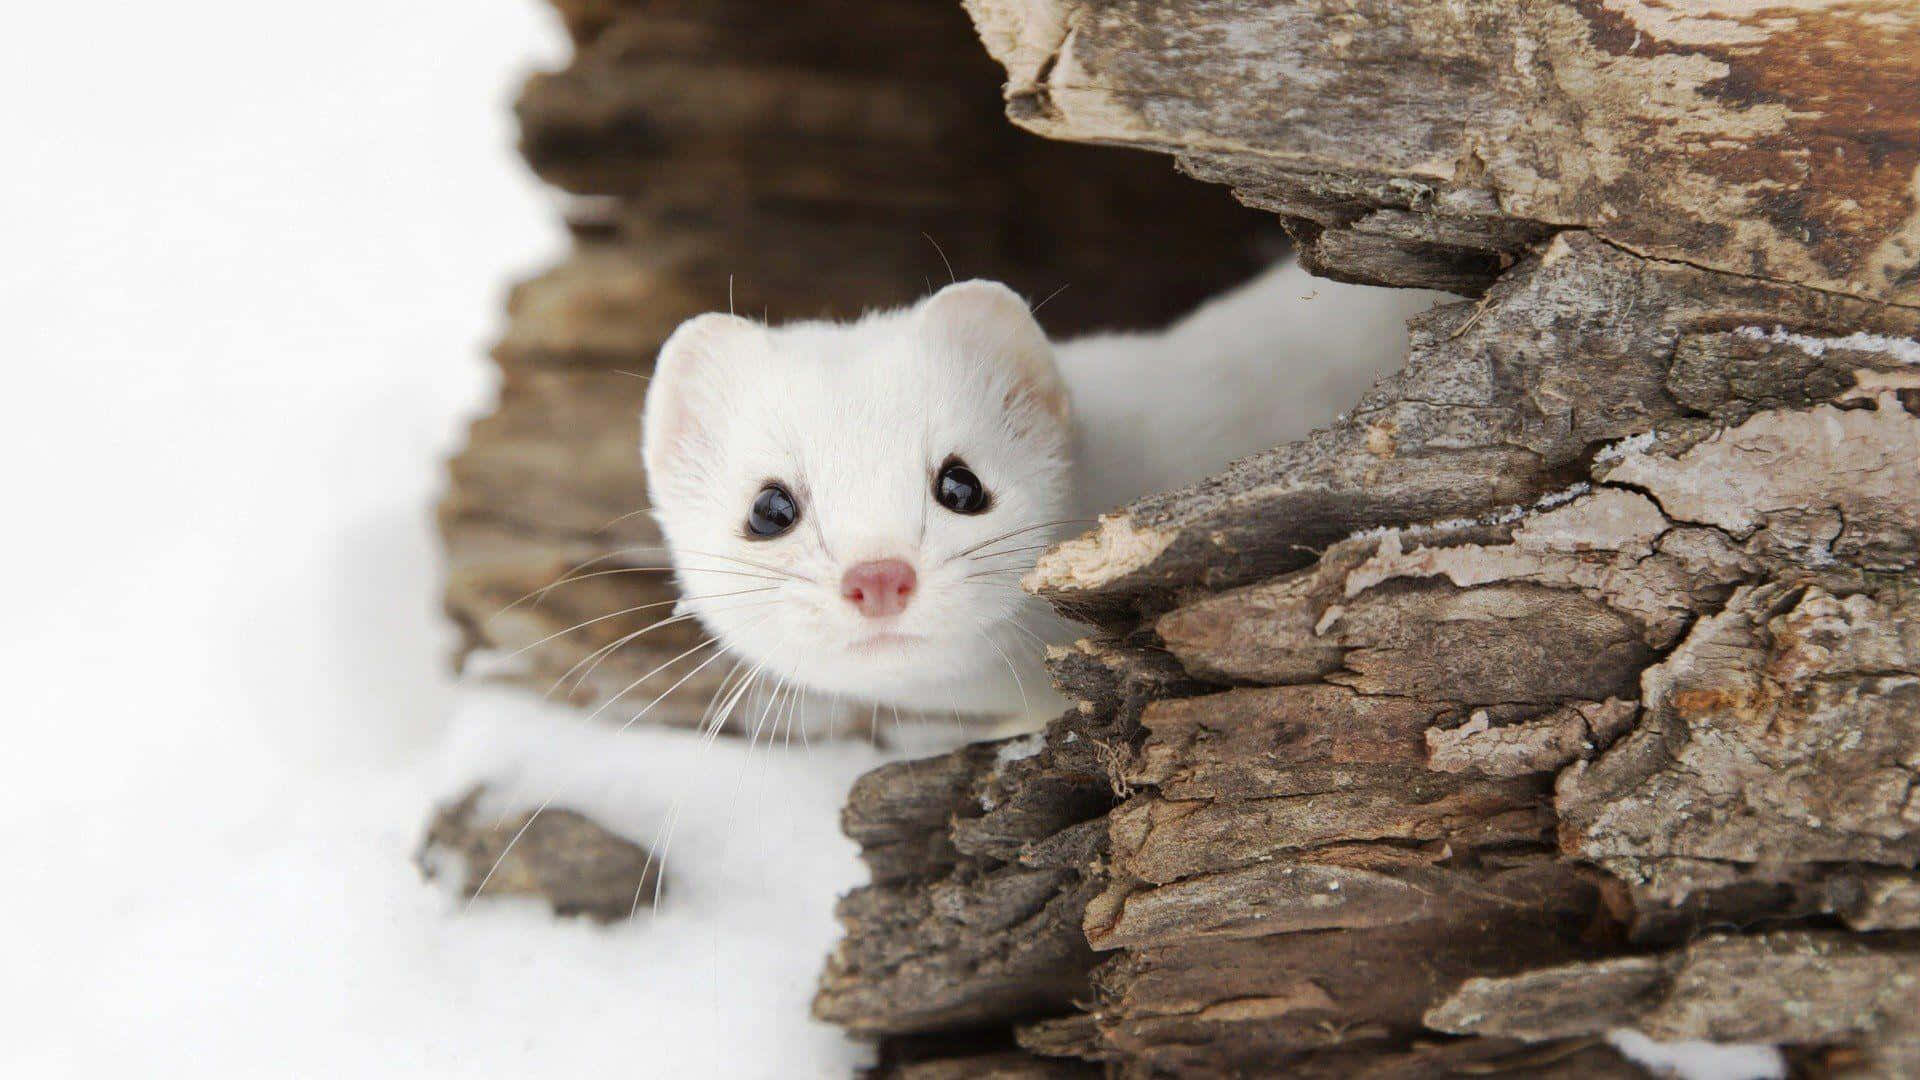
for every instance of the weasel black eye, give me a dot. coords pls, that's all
(957, 489)
(773, 513)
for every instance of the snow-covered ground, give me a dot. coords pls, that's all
(252, 257)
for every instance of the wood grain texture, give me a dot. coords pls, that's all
(1774, 140)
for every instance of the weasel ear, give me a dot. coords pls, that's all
(985, 319)
(687, 389)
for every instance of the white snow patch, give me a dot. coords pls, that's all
(1692, 1060)
(1018, 749)
(1632, 444)
(1504, 516)
(1011, 751)
(1905, 350)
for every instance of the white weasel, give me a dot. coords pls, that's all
(850, 506)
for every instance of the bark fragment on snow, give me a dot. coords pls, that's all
(559, 856)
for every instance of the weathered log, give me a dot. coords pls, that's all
(1591, 631)
(1501, 403)
(983, 861)
(1802, 988)
(1766, 141)
(821, 159)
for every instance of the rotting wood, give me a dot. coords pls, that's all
(1590, 632)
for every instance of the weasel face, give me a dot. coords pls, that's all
(852, 506)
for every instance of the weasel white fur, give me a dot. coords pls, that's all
(930, 452)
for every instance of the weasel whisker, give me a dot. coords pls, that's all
(1013, 620)
(1012, 551)
(1036, 308)
(591, 661)
(943, 258)
(1011, 533)
(988, 638)
(630, 686)
(720, 692)
(628, 611)
(1022, 570)
(569, 575)
(621, 518)
(750, 563)
(594, 659)
(635, 718)
(505, 851)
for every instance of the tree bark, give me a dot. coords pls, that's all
(1569, 682)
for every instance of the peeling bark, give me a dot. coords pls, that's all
(1590, 632)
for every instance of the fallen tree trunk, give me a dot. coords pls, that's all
(1572, 680)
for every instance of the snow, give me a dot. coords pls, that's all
(254, 256)
(1905, 350)
(1692, 1060)
(1019, 749)
(1621, 449)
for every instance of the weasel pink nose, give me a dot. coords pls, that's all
(877, 588)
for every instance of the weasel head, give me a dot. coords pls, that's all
(852, 505)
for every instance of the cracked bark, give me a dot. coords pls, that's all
(1571, 680)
